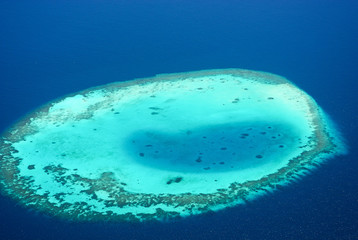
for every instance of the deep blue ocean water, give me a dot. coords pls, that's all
(52, 48)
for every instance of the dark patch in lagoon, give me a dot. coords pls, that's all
(190, 145)
(154, 108)
(30, 167)
(175, 180)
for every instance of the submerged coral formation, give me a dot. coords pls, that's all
(163, 147)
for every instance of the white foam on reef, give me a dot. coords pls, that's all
(173, 145)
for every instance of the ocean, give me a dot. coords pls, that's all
(52, 48)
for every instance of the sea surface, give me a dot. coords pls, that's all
(52, 48)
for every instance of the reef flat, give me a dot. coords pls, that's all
(164, 147)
